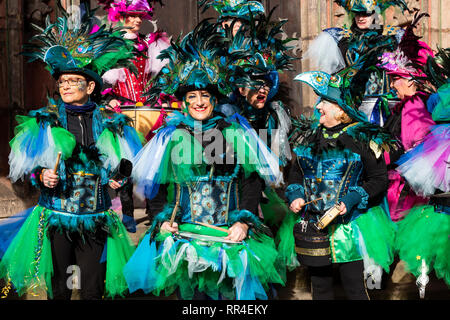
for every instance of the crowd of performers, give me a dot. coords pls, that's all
(238, 191)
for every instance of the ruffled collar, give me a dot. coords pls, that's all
(176, 118)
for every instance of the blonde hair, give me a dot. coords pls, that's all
(344, 118)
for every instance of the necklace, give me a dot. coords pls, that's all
(337, 134)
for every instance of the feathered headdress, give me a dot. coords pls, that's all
(336, 88)
(119, 8)
(332, 88)
(370, 6)
(198, 61)
(229, 9)
(411, 55)
(80, 47)
(268, 51)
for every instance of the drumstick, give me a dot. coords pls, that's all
(312, 201)
(213, 227)
(57, 162)
(177, 203)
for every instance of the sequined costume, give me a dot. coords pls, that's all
(76, 213)
(189, 183)
(343, 163)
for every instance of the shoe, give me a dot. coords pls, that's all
(129, 223)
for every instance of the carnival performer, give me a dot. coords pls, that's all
(338, 166)
(72, 224)
(261, 104)
(233, 20)
(423, 235)
(128, 87)
(338, 48)
(213, 163)
(410, 120)
(234, 14)
(125, 87)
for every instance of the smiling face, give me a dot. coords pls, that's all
(363, 21)
(74, 88)
(257, 98)
(330, 113)
(200, 104)
(404, 87)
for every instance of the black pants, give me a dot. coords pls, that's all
(352, 278)
(126, 198)
(86, 256)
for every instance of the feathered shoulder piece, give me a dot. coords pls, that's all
(303, 128)
(377, 138)
(306, 130)
(78, 44)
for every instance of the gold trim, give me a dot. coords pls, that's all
(313, 239)
(81, 173)
(313, 252)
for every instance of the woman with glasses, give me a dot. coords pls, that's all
(71, 229)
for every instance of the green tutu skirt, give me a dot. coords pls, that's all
(241, 271)
(27, 263)
(370, 237)
(423, 235)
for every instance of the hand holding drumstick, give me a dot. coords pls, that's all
(299, 203)
(49, 177)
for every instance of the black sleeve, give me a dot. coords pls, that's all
(375, 178)
(393, 126)
(295, 174)
(250, 192)
(156, 205)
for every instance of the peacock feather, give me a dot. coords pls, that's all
(68, 44)
(233, 8)
(198, 60)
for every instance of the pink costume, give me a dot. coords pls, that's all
(123, 84)
(415, 125)
(416, 121)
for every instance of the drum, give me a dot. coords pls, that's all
(144, 118)
(202, 239)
